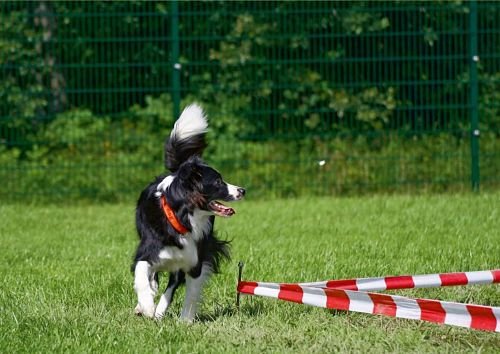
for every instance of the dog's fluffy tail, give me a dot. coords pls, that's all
(187, 138)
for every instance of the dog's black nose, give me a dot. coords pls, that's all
(241, 191)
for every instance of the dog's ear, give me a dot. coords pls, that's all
(190, 172)
(190, 177)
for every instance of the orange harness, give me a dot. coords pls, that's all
(171, 217)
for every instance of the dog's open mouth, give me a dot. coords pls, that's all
(220, 209)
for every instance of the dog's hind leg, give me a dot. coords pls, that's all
(143, 279)
(174, 281)
(194, 286)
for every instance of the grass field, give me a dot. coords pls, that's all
(66, 285)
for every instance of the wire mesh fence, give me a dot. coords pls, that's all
(304, 97)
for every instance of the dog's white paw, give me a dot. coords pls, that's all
(146, 311)
(187, 316)
(137, 310)
(161, 308)
(187, 320)
(159, 313)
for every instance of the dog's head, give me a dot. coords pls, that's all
(204, 188)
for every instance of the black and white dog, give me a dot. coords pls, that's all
(175, 221)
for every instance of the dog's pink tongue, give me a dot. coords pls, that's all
(226, 211)
(221, 210)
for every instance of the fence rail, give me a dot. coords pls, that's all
(304, 97)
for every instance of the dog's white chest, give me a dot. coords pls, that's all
(172, 259)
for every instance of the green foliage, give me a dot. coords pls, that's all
(308, 93)
(21, 83)
(341, 166)
(100, 160)
(80, 154)
(377, 90)
(490, 97)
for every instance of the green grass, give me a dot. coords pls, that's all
(66, 285)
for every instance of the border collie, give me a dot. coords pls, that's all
(175, 221)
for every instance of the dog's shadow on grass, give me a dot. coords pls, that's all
(250, 309)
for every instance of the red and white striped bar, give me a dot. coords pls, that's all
(464, 315)
(410, 281)
(354, 295)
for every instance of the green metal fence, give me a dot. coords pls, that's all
(304, 97)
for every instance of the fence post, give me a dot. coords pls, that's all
(176, 66)
(474, 95)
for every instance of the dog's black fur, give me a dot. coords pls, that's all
(193, 188)
(195, 183)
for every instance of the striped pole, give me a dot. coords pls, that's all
(411, 281)
(353, 295)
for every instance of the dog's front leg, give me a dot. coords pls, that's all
(142, 286)
(194, 286)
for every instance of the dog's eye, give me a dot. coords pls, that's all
(218, 182)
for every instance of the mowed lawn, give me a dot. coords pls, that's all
(66, 284)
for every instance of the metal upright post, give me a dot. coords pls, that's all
(176, 66)
(240, 272)
(474, 95)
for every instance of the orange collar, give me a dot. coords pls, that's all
(171, 217)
